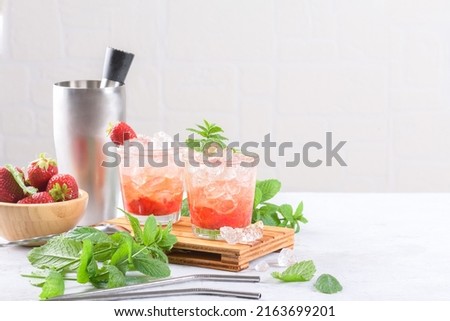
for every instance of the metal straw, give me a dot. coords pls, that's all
(110, 293)
(162, 293)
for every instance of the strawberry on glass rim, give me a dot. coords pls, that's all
(120, 132)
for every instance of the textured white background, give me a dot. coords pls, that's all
(375, 73)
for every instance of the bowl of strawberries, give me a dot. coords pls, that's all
(38, 200)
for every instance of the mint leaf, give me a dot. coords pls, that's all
(158, 253)
(121, 255)
(150, 228)
(167, 242)
(269, 188)
(53, 286)
(269, 215)
(299, 210)
(57, 254)
(185, 208)
(87, 255)
(210, 136)
(258, 197)
(298, 272)
(115, 277)
(286, 211)
(328, 284)
(88, 233)
(37, 277)
(149, 266)
(135, 226)
(104, 251)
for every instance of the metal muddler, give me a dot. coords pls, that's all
(137, 291)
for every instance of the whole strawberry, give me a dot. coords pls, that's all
(40, 171)
(12, 185)
(62, 187)
(38, 198)
(120, 132)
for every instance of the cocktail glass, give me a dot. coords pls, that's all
(220, 195)
(152, 183)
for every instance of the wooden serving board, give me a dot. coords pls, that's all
(214, 254)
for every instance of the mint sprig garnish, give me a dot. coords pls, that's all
(275, 215)
(101, 259)
(210, 136)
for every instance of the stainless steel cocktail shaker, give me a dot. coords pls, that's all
(81, 114)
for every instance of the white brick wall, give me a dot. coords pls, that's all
(375, 73)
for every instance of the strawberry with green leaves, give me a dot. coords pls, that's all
(38, 198)
(40, 171)
(62, 187)
(120, 132)
(12, 185)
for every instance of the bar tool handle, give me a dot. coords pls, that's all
(116, 66)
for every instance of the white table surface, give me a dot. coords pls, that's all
(380, 247)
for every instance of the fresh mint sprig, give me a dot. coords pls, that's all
(100, 259)
(272, 214)
(210, 136)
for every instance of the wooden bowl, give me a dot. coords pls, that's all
(22, 221)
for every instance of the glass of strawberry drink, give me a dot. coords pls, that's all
(220, 192)
(151, 181)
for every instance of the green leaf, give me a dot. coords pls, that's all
(88, 233)
(158, 253)
(37, 277)
(150, 266)
(210, 133)
(298, 272)
(100, 280)
(215, 129)
(18, 177)
(135, 225)
(328, 284)
(201, 133)
(87, 255)
(167, 241)
(268, 215)
(122, 254)
(269, 188)
(271, 219)
(286, 211)
(258, 197)
(150, 229)
(115, 277)
(299, 210)
(185, 208)
(104, 251)
(58, 253)
(53, 286)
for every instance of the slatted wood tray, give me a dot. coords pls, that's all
(191, 250)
